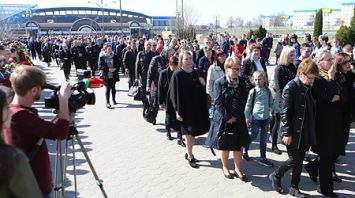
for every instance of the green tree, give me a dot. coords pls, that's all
(343, 35)
(351, 38)
(318, 23)
(260, 32)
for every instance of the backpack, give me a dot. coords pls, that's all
(253, 99)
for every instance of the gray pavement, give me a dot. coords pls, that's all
(134, 159)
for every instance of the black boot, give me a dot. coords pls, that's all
(275, 182)
(168, 136)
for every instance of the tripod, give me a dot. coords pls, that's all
(59, 190)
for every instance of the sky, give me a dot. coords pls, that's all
(200, 11)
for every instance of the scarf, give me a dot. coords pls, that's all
(323, 73)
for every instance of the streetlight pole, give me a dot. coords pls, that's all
(102, 6)
(121, 19)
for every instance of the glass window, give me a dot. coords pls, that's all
(106, 13)
(113, 14)
(75, 12)
(62, 12)
(69, 12)
(49, 13)
(42, 14)
(99, 13)
(81, 11)
(94, 12)
(88, 12)
(56, 12)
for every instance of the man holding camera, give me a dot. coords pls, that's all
(27, 127)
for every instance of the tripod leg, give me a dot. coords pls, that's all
(74, 166)
(56, 172)
(62, 171)
(98, 182)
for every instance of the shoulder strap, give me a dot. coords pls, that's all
(252, 101)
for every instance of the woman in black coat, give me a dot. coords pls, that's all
(297, 125)
(228, 131)
(284, 73)
(65, 58)
(109, 70)
(165, 102)
(188, 96)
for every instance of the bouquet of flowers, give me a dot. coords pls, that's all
(5, 72)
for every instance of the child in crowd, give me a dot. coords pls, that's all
(257, 114)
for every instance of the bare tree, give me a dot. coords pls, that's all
(257, 21)
(239, 22)
(230, 22)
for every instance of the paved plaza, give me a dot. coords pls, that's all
(134, 158)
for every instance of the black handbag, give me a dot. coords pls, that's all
(135, 91)
(228, 138)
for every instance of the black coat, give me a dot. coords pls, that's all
(293, 112)
(104, 67)
(129, 60)
(92, 55)
(282, 75)
(189, 99)
(223, 112)
(47, 52)
(329, 118)
(65, 57)
(142, 64)
(248, 69)
(157, 64)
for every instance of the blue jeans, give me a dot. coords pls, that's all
(263, 127)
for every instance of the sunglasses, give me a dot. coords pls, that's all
(347, 61)
(235, 69)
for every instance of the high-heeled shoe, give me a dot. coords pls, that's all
(228, 176)
(192, 162)
(242, 178)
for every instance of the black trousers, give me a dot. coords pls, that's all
(110, 87)
(131, 77)
(66, 69)
(275, 129)
(295, 161)
(326, 164)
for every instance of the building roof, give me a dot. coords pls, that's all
(163, 17)
(348, 4)
(89, 8)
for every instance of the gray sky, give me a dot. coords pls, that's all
(203, 11)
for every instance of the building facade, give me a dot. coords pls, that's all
(84, 20)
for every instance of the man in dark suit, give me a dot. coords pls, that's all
(252, 64)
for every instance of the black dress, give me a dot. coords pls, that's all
(189, 100)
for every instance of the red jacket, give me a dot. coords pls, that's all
(25, 130)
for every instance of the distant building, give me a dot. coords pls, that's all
(304, 19)
(347, 12)
(284, 20)
(33, 21)
(164, 23)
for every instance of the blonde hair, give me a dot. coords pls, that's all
(307, 66)
(230, 61)
(181, 56)
(259, 73)
(286, 51)
(320, 55)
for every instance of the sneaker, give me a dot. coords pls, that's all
(265, 162)
(295, 191)
(276, 150)
(246, 157)
(275, 182)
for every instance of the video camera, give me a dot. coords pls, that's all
(77, 100)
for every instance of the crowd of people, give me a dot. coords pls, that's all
(221, 88)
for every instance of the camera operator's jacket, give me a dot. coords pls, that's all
(26, 129)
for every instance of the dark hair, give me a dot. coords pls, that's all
(7, 153)
(174, 60)
(339, 60)
(255, 46)
(305, 45)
